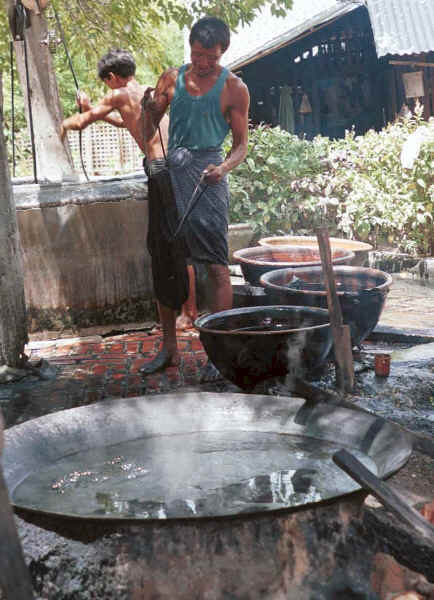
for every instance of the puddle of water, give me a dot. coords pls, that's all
(194, 475)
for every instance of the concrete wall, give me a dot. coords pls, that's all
(84, 252)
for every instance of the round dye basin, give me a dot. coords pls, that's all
(362, 293)
(258, 260)
(191, 455)
(360, 249)
(251, 344)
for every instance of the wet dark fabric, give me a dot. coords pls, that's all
(169, 266)
(206, 228)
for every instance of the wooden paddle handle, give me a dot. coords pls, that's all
(384, 493)
(341, 333)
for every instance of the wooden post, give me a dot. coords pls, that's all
(13, 324)
(14, 577)
(53, 157)
(341, 333)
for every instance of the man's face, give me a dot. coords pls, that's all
(205, 60)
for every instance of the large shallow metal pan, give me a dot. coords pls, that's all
(192, 455)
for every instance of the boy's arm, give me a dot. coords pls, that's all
(100, 112)
(84, 103)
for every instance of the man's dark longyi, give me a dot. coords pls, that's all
(168, 255)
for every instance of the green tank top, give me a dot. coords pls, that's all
(196, 122)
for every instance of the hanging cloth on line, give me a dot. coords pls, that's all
(286, 110)
(305, 107)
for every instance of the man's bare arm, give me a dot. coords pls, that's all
(239, 124)
(155, 103)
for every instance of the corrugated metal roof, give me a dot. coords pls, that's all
(399, 27)
(402, 26)
(267, 33)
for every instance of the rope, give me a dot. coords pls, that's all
(77, 87)
(14, 160)
(62, 35)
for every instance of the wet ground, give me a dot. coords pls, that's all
(91, 365)
(409, 304)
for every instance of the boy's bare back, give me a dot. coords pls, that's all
(128, 103)
(125, 98)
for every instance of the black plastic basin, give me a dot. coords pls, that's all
(361, 291)
(251, 344)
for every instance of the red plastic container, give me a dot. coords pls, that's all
(382, 365)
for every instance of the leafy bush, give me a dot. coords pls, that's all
(356, 186)
(261, 186)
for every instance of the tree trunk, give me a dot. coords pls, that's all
(13, 327)
(53, 158)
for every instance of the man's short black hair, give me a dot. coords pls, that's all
(210, 32)
(117, 61)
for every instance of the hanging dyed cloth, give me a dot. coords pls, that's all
(286, 110)
(305, 106)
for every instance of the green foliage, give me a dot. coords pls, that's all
(171, 53)
(356, 186)
(91, 26)
(261, 186)
(385, 202)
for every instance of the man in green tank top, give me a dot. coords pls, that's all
(206, 102)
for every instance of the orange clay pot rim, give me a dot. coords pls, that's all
(337, 254)
(311, 240)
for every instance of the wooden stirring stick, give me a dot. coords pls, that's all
(341, 333)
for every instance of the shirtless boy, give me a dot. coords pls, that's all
(117, 70)
(169, 269)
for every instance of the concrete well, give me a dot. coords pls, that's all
(84, 252)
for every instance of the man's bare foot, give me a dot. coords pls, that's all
(163, 360)
(184, 322)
